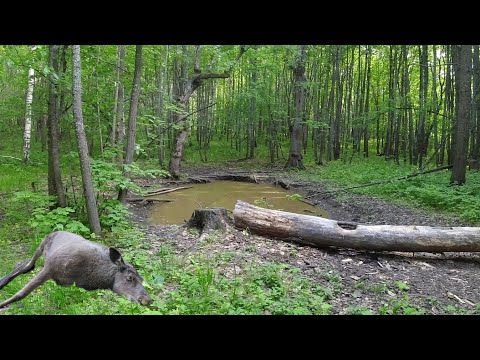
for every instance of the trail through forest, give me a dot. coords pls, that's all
(361, 282)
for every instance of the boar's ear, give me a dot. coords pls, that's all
(115, 256)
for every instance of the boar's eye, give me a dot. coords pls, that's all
(129, 278)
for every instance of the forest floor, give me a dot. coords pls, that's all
(360, 282)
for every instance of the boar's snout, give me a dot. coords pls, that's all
(144, 299)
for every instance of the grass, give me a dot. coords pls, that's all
(15, 177)
(359, 310)
(431, 192)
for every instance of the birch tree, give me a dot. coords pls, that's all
(27, 134)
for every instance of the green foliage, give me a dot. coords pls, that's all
(455, 310)
(359, 310)
(57, 219)
(40, 218)
(378, 288)
(267, 289)
(113, 214)
(25, 202)
(263, 203)
(17, 177)
(431, 191)
(135, 170)
(400, 306)
(335, 280)
(294, 197)
(108, 179)
(402, 285)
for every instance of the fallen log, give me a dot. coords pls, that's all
(321, 232)
(154, 192)
(166, 191)
(149, 200)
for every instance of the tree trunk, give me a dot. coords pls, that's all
(161, 81)
(61, 109)
(462, 65)
(392, 99)
(476, 102)
(447, 107)
(320, 232)
(120, 101)
(366, 131)
(252, 111)
(55, 185)
(27, 134)
(295, 157)
(97, 90)
(132, 117)
(43, 131)
(421, 143)
(113, 134)
(88, 190)
(338, 105)
(435, 106)
(181, 111)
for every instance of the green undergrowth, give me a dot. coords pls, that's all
(196, 284)
(179, 284)
(431, 191)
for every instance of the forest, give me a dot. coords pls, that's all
(372, 134)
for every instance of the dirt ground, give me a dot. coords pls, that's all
(446, 283)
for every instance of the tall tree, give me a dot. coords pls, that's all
(92, 211)
(27, 134)
(421, 133)
(366, 109)
(120, 116)
(462, 64)
(55, 185)
(187, 88)
(476, 103)
(118, 103)
(295, 156)
(252, 110)
(435, 106)
(132, 117)
(161, 85)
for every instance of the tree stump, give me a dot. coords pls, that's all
(209, 219)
